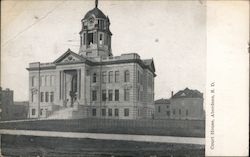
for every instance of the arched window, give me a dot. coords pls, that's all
(94, 77)
(126, 76)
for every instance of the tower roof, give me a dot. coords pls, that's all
(96, 12)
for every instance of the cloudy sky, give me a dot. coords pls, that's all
(173, 33)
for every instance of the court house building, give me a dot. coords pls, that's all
(92, 82)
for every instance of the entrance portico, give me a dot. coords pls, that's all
(70, 87)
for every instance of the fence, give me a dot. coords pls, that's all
(185, 128)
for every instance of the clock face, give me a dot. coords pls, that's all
(91, 22)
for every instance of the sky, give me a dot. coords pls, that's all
(173, 33)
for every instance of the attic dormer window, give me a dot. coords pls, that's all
(183, 94)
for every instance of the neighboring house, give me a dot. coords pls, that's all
(92, 82)
(6, 100)
(11, 110)
(162, 109)
(185, 104)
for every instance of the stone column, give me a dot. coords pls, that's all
(82, 86)
(79, 83)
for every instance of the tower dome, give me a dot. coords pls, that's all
(95, 35)
(96, 12)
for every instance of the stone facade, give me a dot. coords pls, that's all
(93, 83)
(185, 104)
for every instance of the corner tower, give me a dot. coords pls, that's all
(95, 36)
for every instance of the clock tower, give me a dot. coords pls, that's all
(95, 36)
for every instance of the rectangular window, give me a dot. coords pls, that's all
(110, 76)
(51, 96)
(104, 77)
(41, 111)
(93, 112)
(101, 39)
(126, 76)
(52, 80)
(94, 95)
(42, 96)
(84, 39)
(126, 94)
(47, 80)
(138, 94)
(42, 81)
(141, 79)
(110, 112)
(104, 95)
(168, 113)
(32, 97)
(103, 112)
(46, 96)
(110, 92)
(90, 38)
(33, 81)
(117, 76)
(126, 112)
(94, 77)
(80, 40)
(116, 112)
(33, 111)
(116, 95)
(101, 24)
(159, 108)
(179, 111)
(138, 76)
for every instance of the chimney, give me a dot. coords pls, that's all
(172, 93)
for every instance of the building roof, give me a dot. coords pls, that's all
(149, 63)
(70, 57)
(188, 93)
(96, 12)
(162, 101)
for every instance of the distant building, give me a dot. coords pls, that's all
(185, 104)
(92, 82)
(162, 109)
(11, 110)
(6, 100)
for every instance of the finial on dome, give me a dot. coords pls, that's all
(96, 3)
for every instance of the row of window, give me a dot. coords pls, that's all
(110, 112)
(109, 97)
(180, 112)
(91, 39)
(44, 80)
(47, 96)
(174, 111)
(113, 76)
